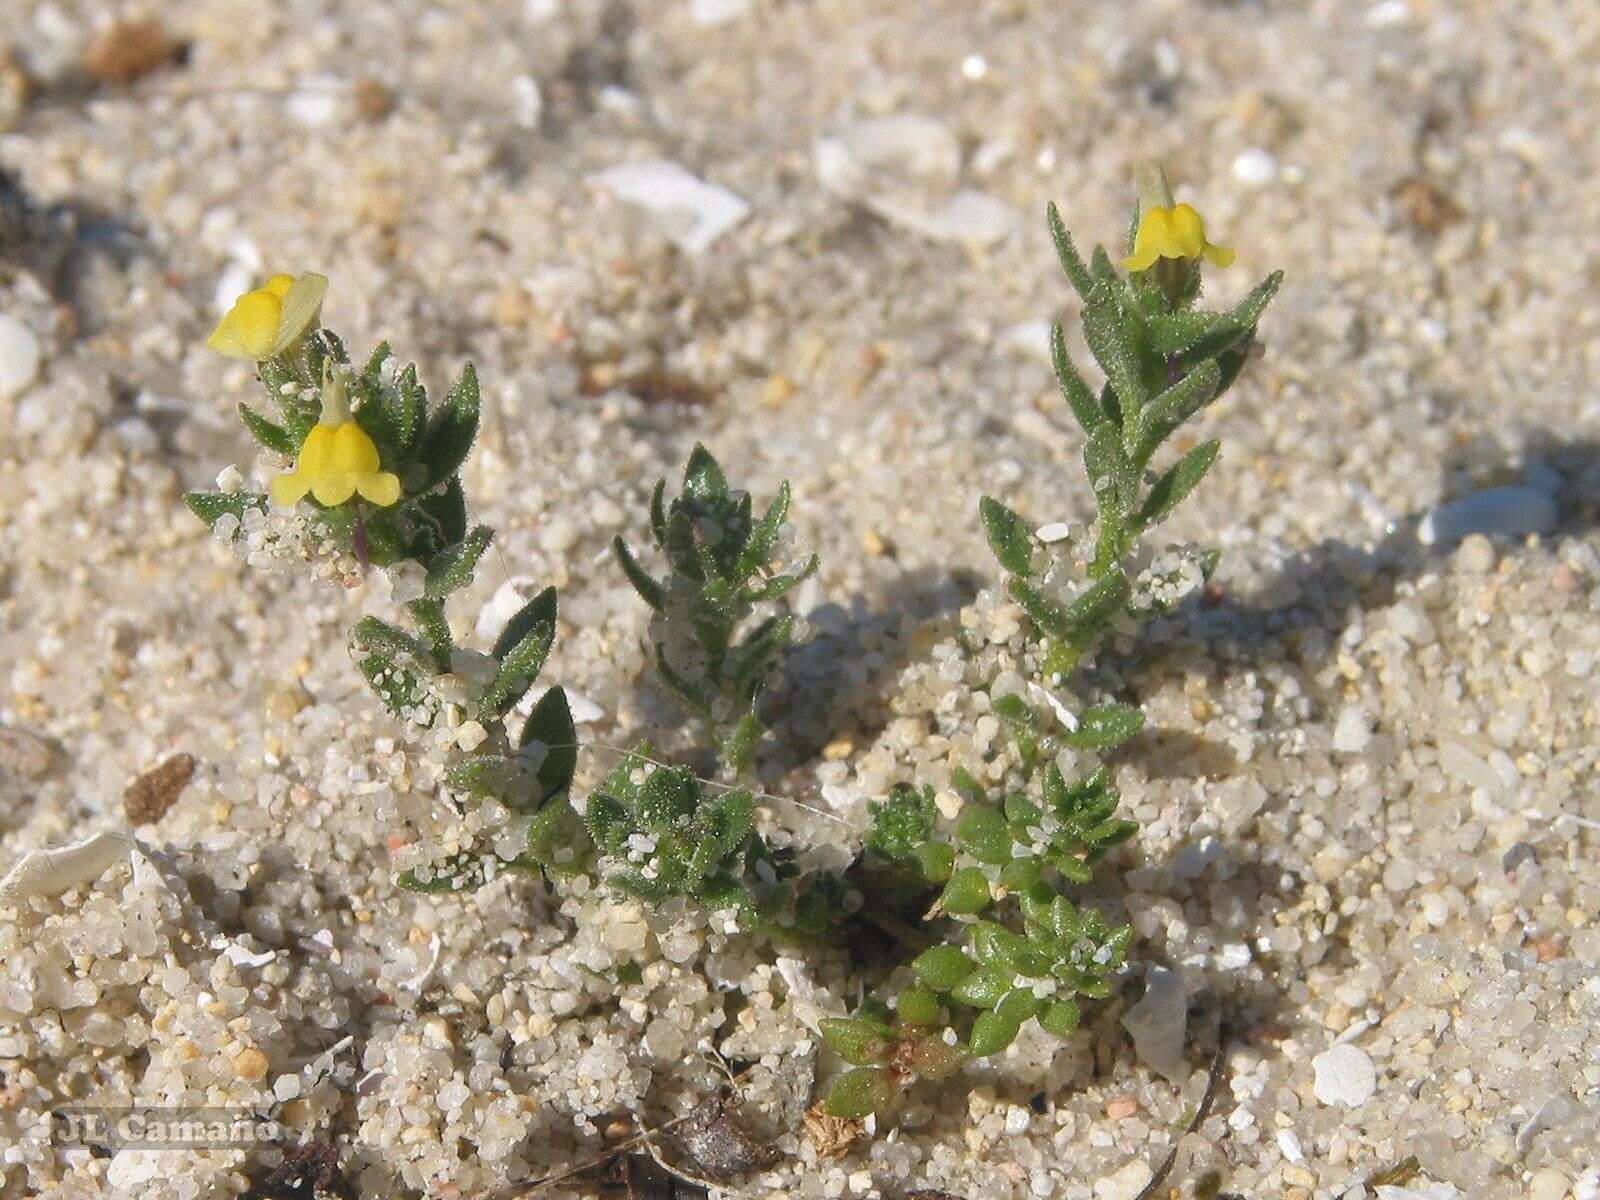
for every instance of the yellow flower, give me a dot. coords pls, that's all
(1173, 232)
(265, 322)
(337, 459)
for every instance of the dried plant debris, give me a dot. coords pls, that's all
(24, 753)
(148, 797)
(309, 1171)
(831, 1136)
(130, 50)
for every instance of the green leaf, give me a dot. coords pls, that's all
(1009, 536)
(461, 872)
(992, 1033)
(210, 506)
(270, 434)
(550, 724)
(1092, 611)
(1044, 612)
(1071, 262)
(541, 610)
(1175, 484)
(1172, 333)
(1017, 716)
(919, 1006)
(1085, 407)
(1019, 1004)
(520, 665)
(856, 1040)
(411, 407)
(1104, 726)
(1105, 328)
(428, 613)
(757, 551)
(483, 775)
(902, 823)
(649, 590)
(859, 1093)
(942, 967)
(752, 659)
(1113, 477)
(1172, 407)
(452, 568)
(936, 861)
(1060, 1019)
(372, 634)
(400, 688)
(441, 519)
(984, 987)
(703, 475)
(451, 431)
(984, 834)
(966, 892)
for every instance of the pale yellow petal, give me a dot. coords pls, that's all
(302, 302)
(380, 487)
(289, 489)
(333, 488)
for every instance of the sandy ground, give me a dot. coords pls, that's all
(1369, 797)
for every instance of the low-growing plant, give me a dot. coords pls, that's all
(1017, 948)
(376, 484)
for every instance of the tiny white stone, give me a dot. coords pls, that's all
(1030, 338)
(1344, 1075)
(316, 101)
(528, 100)
(1289, 1143)
(1548, 1184)
(20, 357)
(717, 12)
(1125, 1183)
(1418, 1191)
(1255, 167)
(1352, 732)
(1056, 531)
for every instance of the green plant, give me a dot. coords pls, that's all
(1016, 947)
(722, 564)
(377, 426)
(376, 485)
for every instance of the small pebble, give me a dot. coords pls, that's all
(24, 753)
(250, 1064)
(1255, 167)
(20, 357)
(1126, 1183)
(1547, 1184)
(1344, 1075)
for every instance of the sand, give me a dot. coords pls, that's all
(1368, 797)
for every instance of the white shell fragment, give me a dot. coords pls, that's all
(692, 212)
(52, 872)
